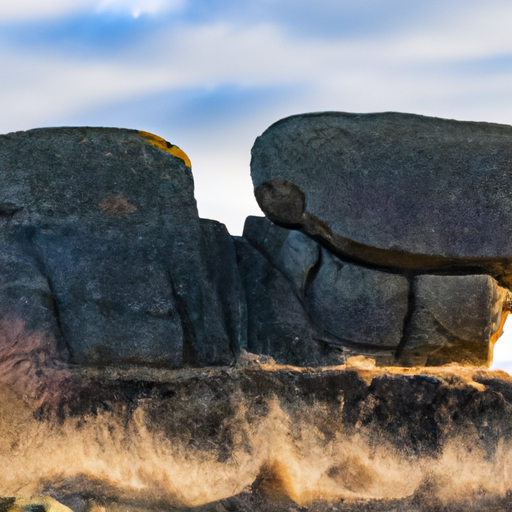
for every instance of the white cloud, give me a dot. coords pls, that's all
(23, 10)
(138, 7)
(29, 10)
(43, 91)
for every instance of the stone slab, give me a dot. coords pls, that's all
(294, 254)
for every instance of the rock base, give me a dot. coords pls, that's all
(263, 437)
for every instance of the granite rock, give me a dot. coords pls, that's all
(228, 303)
(105, 225)
(392, 190)
(361, 306)
(455, 319)
(278, 325)
(294, 254)
(26, 294)
(353, 306)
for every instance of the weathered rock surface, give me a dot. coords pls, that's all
(104, 255)
(455, 319)
(26, 294)
(295, 255)
(100, 228)
(392, 190)
(264, 437)
(278, 325)
(359, 305)
(352, 305)
(228, 303)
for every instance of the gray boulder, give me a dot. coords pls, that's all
(454, 319)
(364, 307)
(392, 190)
(294, 254)
(100, 228)
(278, 324)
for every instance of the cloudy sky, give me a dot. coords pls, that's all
(211, 75)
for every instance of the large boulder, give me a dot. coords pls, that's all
(392, 190)
(103, 250)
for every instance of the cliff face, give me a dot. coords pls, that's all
(264, 437)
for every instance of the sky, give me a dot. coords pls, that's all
(211, 75)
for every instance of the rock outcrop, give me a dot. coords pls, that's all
(278, 324)
(412, 214)
(387, 236)
(103, 250)
(358, 304)
(382, 223)
(455, 317)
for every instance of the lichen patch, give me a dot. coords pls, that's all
(160, 143)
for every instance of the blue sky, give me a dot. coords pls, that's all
(211, 75)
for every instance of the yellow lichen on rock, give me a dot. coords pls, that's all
(162, 144)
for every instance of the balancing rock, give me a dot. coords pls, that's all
(414, 218)
(392, 190)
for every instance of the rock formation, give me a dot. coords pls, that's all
(412, 214)
(151, 361)
(103, 250)
(104, 253)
